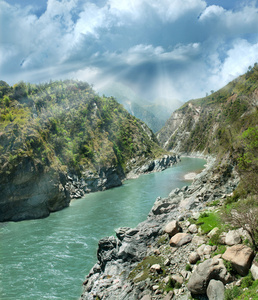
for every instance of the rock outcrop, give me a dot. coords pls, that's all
(32, 192)
(241, 258)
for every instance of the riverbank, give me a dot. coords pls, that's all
(111, 277)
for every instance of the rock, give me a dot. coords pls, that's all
(155, 268)
(172, 228)
(178, 278)
(254, 270)
(169, 296)
(155, 287)
(146, 297)
(193, 228)
(198, 240)
(204, 250)
(156, 252)
(196, 215)
(215, 290)
(193, 257)
(107, 250)
(212, 268)
(213, 232)
(180, 239)
(241, 258)
(121, 231)
(232, 238)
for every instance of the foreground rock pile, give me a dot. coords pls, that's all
(167, 257)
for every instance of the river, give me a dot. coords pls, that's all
(49, 258)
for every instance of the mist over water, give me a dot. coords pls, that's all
(49, 258)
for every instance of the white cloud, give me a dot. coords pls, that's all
(172, 43)
(211, 12)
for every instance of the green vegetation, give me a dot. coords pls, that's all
(207, 221)
(142, 270)
(65, 125)
(244, 214)
(246, 291)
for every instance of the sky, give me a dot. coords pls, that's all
(171, 49)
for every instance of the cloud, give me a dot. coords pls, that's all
(174, 48)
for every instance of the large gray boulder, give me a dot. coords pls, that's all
(172, 228)
(180, 239)
(232, 238)
(215, 290)
(241, 258)
(212, 268)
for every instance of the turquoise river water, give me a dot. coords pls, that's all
(49, 258)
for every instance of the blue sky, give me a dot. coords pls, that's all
(172, 49)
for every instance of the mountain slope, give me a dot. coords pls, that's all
(53, 130)
(223, 124)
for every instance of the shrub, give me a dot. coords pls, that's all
(188, 268)
(232, 293)
(247, 281)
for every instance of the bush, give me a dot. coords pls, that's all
(244, 213)
(247, 281)
(231, 294)
(188, 268)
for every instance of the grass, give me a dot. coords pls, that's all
(250, 293)
(207, 221)
(142, 270)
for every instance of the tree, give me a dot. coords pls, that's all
(248, 159)
(244, 214)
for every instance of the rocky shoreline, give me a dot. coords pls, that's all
(32, 193)
(109, 177)
(120, 270)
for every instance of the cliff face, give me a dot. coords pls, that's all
(30, 193)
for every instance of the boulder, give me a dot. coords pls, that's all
(213, 232)
(204, 250)
(212, 268)
(155, 268)
(232, 238)
(172, 228)
(254, 270)
(215, 290)
(178, 278)
(193, 228)
(180, 239)
(193, 257)
(241, 258)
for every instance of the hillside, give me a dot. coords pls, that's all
(222, 124)
(57, 135)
